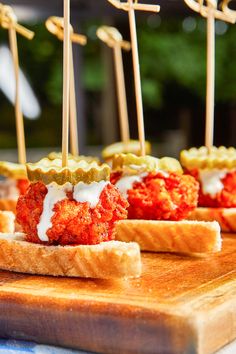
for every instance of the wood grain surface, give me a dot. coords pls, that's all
(180, 305)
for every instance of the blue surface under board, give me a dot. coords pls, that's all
(9, 346)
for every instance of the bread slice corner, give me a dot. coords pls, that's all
(226, 217)
(171, 236)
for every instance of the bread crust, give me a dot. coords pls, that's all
(107, 260)
(226, 217)
(170, 236)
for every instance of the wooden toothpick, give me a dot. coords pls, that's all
(8, 20)
(210, 90)
(74, 140)
(210, 12)
(55, 25)
(112, 37)
(66, 83)
(130, 6)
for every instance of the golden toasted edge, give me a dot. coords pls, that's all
(108, 260)
(226, 217)
(170, 236)
(12, 170)
(202, 158)
(47, 172)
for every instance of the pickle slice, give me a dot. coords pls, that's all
(131, 163)
(12, 170)
(204, 158)
(169, 164)
(49, 171)
(58, 155)
(133, 146)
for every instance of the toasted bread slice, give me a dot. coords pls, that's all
(107, 260)
(7, 222)
(170, 236)
(226, 217)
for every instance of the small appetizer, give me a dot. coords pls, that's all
(133, 146)
(68, 217)
(160, 196)
(215, 170)
(14, 184)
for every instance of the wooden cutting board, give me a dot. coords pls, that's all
(180, 305)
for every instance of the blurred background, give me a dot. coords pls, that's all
(172, 46)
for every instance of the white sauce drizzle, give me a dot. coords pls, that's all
(125, 183)
(211, 181)
(137, 167)
(56, 193)
(82, 193)
(89, 193)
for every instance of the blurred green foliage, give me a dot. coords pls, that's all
(169, 57)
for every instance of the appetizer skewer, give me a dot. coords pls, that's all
(69, 213)
(213, 167)
(159, 195)
(74, 206)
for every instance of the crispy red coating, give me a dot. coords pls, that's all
(225, 198)
(73, 223)
(162, 196)
(23, 185)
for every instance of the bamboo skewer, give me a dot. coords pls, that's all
(8, 20)
(18, 112)
(112, 37)
(210, 91)
(131, 6)
(121, 91)
(55, 25)
(74, 141)
(66, 84)
(210, 12)
(137, 78)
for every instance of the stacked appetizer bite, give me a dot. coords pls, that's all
(215, 169)
(68, 216)
(160, 197)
